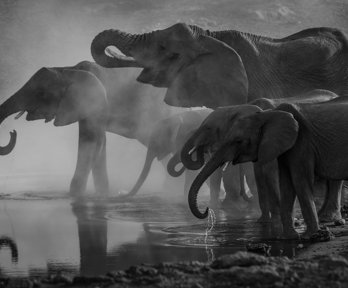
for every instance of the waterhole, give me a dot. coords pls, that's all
(49, 233)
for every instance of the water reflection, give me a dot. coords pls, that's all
(94, 237)
(92, 232)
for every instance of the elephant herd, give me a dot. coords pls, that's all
(277, 102)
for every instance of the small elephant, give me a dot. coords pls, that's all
(308, 140)
(208, 68)
(214, 131)
(100, 100)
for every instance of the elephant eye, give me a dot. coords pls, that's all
(174, 56)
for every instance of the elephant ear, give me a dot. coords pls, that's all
(84, 97)
(278, 134)
(215, 78)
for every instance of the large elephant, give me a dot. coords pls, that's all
(214, 133)
(219, 68)
(100, 100)
(309, 141)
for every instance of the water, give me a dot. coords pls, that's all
(53, 234)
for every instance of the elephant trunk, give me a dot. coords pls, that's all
(8, 242)
(150, 156)
(123, 41)
(8, 108)
(186, 154)
(171, 166)
(214, 163)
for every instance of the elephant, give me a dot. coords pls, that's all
(308, 140)
(220, 68)
(101, 100)
(167, 137)
(214, 131)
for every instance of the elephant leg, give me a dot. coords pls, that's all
(99, 170)
(215, 184)
(87, 145)
(232, 185)
(267, 181)
(287, 201)
(305, 193)
(331, 209)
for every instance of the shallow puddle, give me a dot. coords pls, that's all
(48, 233)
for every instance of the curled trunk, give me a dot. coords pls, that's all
(8, 242)
(4, 150)
(186, 154)
(8, 108)
(171, 166)
(123, 41)
(150, 156)
(214, 163)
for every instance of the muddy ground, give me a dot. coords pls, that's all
(323, 264)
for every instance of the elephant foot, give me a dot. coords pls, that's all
(328, 216)
(320, 235)
(76, 194)
(340, 222)
(264, 218)
(290, 234)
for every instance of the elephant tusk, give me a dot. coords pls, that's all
(224, 167)
(19, 115)
(118, 56)
(192, 150)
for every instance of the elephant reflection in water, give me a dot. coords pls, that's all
(92, 231)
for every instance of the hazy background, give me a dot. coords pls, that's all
(37, 33)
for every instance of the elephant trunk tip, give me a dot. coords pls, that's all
(194, 208)
(9, 147)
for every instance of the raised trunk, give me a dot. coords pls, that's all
(172, 163)
(186, 154)
(150, 156)
(9, 107)
(123, 41)
(214, 163)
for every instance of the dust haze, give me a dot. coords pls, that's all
(38, 33)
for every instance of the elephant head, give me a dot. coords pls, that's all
(210, 134)
(64, 95)
(252, 135)
(197, 69)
